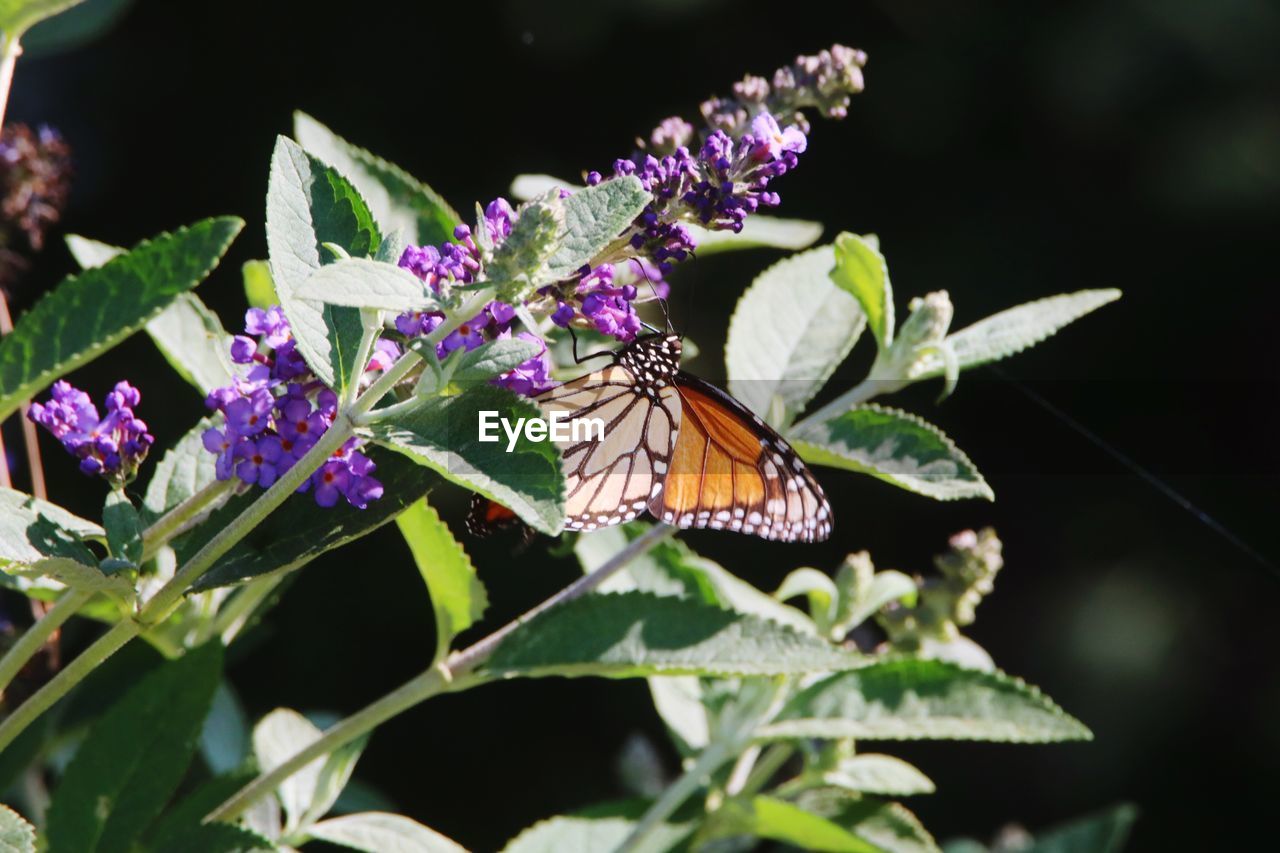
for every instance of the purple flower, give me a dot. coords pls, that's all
(298, 423)
(331, 481)
(258, 460)
(563, 314)
(269, 323)
(771, 141)
(243, 349)
(112, 446)
(221, 442)
(531, 377)
(498, 217)
(248, 415)
(467, 336)
(384, 355)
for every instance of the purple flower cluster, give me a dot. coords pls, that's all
(457, 263)
(277, 411)
(112, 446)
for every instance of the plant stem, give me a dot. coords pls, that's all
(10, 50)
(716, 754)
(71, 675)
(769, 763)
(855, 396)
(169, 595)
(30, 441)
(455, 674)
(41, 630)
(169, 525)
(235, 614)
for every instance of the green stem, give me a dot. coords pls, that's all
(715, 755)
(173, 522)
(855, 396)
(768, 764)
(71, 675)
(10, 50)
(168, 596)
(38, 634)
(372, 327)
(455, 674)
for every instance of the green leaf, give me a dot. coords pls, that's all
(910, 699)
(380, 832)
(816, 587)
(672, 568)
(1106, 831)
(632, 634)
(593, 218)
(334, 775)
(187, 333)
(74, 574)
(778, 820)
(299, 531)
(276, 738)
(760, 231)
(32, 529)
(362, 283)
(184, 470)
(309, 204)
(894, 446)
(884, 587)
(678, 700)
(398, 201)
(872, 773)
(189, 811)
(488, 360)
(86, 315)
(16, 835)
(601, 827)
(457, 595)
(861, 270)
(17, 16)
(443, 434)
(123, 526)
(259, 289)
(1009, 332)
(134, 756)
(790, 331)
(216, 838)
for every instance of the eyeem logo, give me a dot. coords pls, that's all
(560, 428)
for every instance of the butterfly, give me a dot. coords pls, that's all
(678, 447)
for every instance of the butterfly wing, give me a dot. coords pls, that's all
(609, 481)
(731, 471)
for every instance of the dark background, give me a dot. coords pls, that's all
(1002, 151)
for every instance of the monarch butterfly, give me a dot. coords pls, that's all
(678, 447)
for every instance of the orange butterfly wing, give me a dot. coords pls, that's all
(731, 471)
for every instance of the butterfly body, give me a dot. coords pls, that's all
(682, 449)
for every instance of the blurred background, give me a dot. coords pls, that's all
(1002, 151)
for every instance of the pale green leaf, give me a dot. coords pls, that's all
(17, 16)
(889, 826)
(443, 434)
(457, 595)
(634, 634)
(333, 778)
(310, 204)
(16, 835)
(362, 283)
(816, 587)
(77, 575)
(488, 360)
(885, 586)
(1011, 331)
(593, 218)
(602, 827)
(380, 832)
(910, 699)
(861, 270)
(872, 773)
(894, 446)
(789, 332)
(276, 738)
(678, 700)
(399, 201)
(187, 333)
(32, 529)
(760, 231)
(184, 470)
(86, 315)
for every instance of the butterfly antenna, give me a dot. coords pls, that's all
(580, 359)
(1142, 473)
(662, 303)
